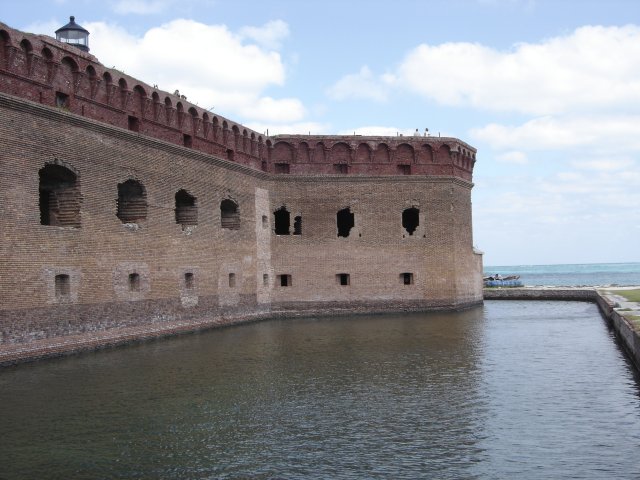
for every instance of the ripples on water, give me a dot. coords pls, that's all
(511, 390)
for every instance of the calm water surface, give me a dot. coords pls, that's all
(512, 390)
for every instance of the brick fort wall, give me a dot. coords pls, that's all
(124, 205)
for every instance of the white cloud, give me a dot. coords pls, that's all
(514, 156)
(284, 109)
(570, 216)
(270, 35)
(363, 85)
(614, 133)
(594, 67)
(211, 65)
(47, 27)
(605, 164)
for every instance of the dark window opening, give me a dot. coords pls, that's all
(134, 124)
(281, 167)
(410, 219)
(187, 141)
(265, 221)
(282, 221)
(62, 100)
(189, 281)
(59, 197)
(285, 280)
(265, 280)
(134, 282)
(63, 285)
(186, 209)
(264, 166)
(132, 202)
(229, 215)
(345, 221)
(297, 225)
(406, 278)
(230, 155)
(341, 168)
(343, 279)
(404, 169)
(232, 280)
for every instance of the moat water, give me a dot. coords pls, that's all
(527, 390)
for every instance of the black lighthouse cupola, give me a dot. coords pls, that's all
(74, 34)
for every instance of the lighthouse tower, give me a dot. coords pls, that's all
(74, 34)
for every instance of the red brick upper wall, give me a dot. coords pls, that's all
(43, 70)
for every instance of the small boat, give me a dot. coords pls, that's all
(497, 276)
(498, 280)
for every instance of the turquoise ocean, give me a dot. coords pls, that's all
(592, 274)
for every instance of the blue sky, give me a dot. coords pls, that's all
(548, 91)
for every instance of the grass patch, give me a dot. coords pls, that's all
(630, 295)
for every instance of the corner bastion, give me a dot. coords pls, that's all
(124, 205)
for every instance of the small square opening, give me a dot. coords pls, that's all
(187, 141)
(189, 281)
(63, 286)
(404, 169)
(341, 168)
(281, 167)
(134, 124)
(62, 100)
(406, 278)
(343, 279)
(134, 282)
(285, 280)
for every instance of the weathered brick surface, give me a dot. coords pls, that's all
(40, 69)
(130, 277)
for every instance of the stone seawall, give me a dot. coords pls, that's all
(624, 329)
(42, 348)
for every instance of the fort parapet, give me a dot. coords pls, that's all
(123, 205)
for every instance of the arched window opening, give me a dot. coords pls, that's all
(5, 41)
(297, 225)
(59, 197)
(229, 215)
(186, 209)
(132, 202)
(345, 222)
(27, 51)
(47, 55)
(282, 221)
(410, 219)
